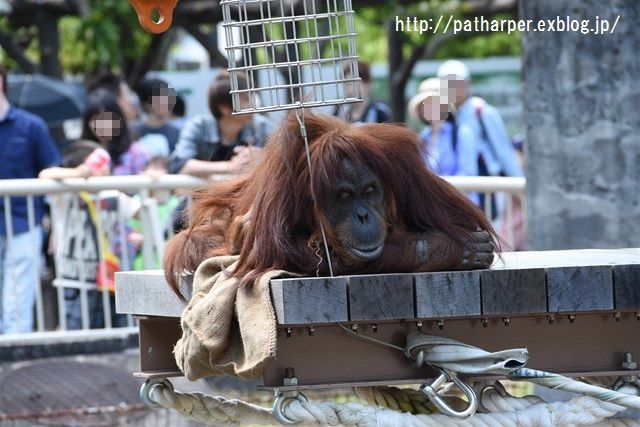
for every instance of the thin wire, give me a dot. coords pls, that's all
(319, 255)
(303, 132)
(373, 340)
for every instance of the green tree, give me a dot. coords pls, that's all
(109, 36)
(402, 49)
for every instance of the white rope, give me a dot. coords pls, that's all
(493, 402)
(583, 410)
(595, 408)
(210, 409)
(559, 382)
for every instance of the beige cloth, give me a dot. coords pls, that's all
(227, 329)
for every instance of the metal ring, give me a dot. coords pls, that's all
(279, 405)
(480, 387)
(148, 386)
(622, 382)
(619, 382)
(431, 391)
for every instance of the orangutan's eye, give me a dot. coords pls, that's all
(368, 191)
(344, 196)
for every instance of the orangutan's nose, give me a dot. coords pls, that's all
(363, 215)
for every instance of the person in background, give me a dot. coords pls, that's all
(178, 114)
(97, 163)
(104, 122)
(126, 98)
(367, 111)
(497, 157)
(88, 238)
(158, 100)
(26, 148)
(450, 148)
(166, 203)
(220, 143)
(512, 229)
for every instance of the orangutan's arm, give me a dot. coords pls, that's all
(432, 251)
(443, 253)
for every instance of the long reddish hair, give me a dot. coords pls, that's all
(279, 196)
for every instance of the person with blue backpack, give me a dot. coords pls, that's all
(496, 153)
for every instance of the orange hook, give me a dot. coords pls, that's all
(163, 10)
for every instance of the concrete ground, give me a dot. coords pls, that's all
(29, 389)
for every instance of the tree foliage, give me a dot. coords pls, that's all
(109, 36)
(372, 32)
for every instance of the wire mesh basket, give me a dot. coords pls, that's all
(294, 54)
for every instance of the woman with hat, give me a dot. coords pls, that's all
(450, 149)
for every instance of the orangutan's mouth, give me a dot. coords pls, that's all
(366, 254)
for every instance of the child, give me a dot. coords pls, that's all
(88, 158)
(166, 204)
(88, 247)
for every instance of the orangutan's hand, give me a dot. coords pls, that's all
(479, 251)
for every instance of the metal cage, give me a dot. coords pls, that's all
(292, 53)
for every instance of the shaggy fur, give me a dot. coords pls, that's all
(270, 219)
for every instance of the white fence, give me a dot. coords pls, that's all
(91, 294)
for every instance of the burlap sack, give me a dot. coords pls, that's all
(227, 329)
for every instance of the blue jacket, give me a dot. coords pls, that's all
(26, 148)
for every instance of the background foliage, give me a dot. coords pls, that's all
(110, 36)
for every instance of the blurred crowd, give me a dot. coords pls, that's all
(145, 131)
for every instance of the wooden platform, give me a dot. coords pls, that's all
(575, 310)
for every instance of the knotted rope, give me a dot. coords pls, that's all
(583, 410)
(211, 409)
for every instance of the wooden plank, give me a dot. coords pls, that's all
(626, 285)
(506, 292)
(572, 289)
(381, 297)
(310, 300)
(450, 294)
(566, 258)
(147, 293)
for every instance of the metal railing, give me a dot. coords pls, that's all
(153, 238)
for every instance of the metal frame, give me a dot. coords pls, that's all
(562, 347)
(305, 55)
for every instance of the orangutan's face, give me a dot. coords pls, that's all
(356, 211)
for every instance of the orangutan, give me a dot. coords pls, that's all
(382, 209)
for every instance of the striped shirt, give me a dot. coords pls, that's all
(200, 139)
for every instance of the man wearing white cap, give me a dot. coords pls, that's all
(450, 150)
(497, 155)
